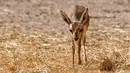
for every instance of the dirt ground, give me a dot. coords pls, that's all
(35, 39)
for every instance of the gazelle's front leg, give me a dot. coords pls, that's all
(79, 52)
(85, 50)
(73, 48)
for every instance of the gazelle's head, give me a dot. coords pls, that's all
(75, 27)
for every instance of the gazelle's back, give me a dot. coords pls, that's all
(75, 12)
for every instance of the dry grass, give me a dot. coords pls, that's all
(38, 52)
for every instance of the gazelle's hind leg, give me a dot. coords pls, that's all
(85, 57)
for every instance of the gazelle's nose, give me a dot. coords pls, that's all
(76, 38)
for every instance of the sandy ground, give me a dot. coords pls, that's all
(35, 39)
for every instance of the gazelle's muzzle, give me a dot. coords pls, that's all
(75, 38)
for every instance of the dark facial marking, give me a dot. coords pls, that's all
(71, 30)
(80, 30)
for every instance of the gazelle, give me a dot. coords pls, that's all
(78, 22)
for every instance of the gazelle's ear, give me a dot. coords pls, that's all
(65, 17)
(83, 16)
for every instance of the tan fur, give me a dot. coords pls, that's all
(78, 20)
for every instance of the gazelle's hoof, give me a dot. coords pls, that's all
(73, 65)
(85, 59)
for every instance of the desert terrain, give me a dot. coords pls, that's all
(35, 39)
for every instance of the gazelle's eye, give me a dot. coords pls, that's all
(70, 30)
(80, 30)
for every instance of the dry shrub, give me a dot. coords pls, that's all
(107, 65)
(115, 60)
